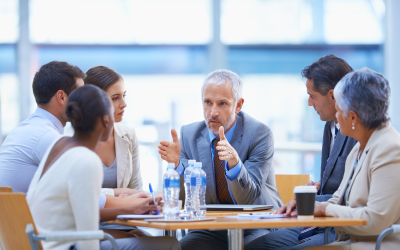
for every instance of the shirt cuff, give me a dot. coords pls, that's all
(180, 169)
(102, 201)
(234, 172)
(108, 191)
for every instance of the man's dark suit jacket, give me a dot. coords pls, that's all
(333, 170)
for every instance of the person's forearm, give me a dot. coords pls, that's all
(115, 202)
(107, 214)
(118, 191)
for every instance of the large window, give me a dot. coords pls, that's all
(302, 22)
(161, 47)
(121, 22)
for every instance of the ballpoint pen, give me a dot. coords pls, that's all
(152, 194)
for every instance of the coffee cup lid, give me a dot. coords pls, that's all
(305, 189)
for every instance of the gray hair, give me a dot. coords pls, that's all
(222, 76)
(367, 93)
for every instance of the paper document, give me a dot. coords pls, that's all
(262, 216)
(139, 216)
(144, 216)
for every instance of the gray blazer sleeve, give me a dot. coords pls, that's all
(246, 188)
(183, 157)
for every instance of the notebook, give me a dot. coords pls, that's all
(262, 216)
(145, 216)
(228, 207)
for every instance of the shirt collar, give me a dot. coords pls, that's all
(49, 116)
(228, 134)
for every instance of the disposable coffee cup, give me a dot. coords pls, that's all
(305, 200)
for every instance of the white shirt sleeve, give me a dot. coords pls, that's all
(108, 191)
(43, 145)
(103, 200)
(84, 183)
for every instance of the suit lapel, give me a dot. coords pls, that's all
(325, 147)
(356, 171)
(237, 135)
(336, 149)
(372, 140)
(122, 153)
(204, 150)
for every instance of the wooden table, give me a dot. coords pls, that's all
(235, 226)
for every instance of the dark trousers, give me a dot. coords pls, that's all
(142, 243)
(287, 239)
(218, 240)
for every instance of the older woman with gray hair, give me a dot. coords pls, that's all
(370, 188)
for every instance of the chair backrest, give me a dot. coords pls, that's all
(14, 216)
(285, 184)
(5, 190)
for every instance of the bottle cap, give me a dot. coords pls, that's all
(191, 162)
(305, 189)
(171, 165)
(198, 165)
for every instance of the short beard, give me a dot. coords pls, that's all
(226, 126)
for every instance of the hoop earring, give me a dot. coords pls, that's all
(352, 125)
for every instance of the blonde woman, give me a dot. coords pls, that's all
(120, 153)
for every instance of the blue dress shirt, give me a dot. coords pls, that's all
(24, 148)
(230, 174)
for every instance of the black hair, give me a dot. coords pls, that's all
(326, 72)
(102, 76)
(52, 77)
(85, 105)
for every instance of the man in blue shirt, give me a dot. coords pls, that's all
(236, 153)
(24, 147)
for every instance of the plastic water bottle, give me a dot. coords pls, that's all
(202, 195)
(198, 190)
(171, 193)
(188, 196)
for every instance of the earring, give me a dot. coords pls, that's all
(352, 125)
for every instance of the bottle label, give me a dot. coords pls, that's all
(166, 183)
(174, 183)
(193, 181)
(197, 181)
(203, 181)
(187, 178)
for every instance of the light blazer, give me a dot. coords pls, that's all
(333, 170)
(374, 192)
(127, 154)
(254, 144)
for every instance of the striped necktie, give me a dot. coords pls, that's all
(222, 186)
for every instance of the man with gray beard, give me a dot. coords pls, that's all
(236, 152)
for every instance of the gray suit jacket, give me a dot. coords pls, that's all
(333, 170)
(254, 144)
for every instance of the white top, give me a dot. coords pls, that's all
(24, 148)
(66, 198)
